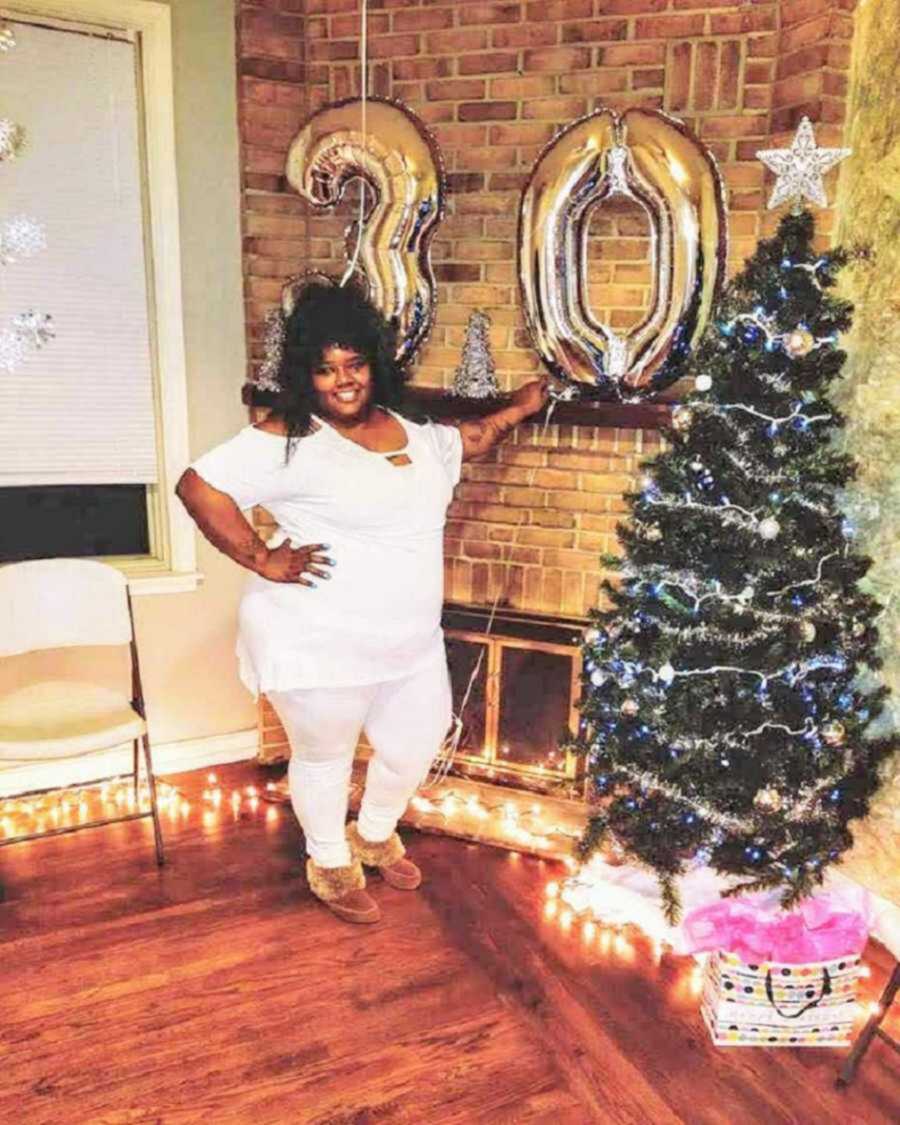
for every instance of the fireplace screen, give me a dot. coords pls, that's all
(470, 694)
(520, 703)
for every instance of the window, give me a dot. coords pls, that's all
(93, 423)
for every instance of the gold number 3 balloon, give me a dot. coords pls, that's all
(656, 161)
(400, 162)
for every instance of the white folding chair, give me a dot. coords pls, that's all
(64, 603)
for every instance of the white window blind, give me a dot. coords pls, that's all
(81, 409)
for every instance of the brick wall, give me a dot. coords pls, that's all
(494, 81)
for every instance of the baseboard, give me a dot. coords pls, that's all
(168, 757)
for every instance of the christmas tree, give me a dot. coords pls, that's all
(475, 377)
(730, 692)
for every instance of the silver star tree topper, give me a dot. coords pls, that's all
(800, 168)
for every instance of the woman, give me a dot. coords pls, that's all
(339, 623)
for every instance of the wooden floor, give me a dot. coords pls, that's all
(218, 990)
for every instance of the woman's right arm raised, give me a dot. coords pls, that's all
(225, 526)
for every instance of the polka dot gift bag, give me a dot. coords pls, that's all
(780, 979)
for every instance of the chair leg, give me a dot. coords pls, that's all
(151, 784)
(135, 744)
(871, 1029)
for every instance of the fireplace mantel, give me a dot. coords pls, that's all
(631, 416)
(439, 403)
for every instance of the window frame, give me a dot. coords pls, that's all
(171, 566)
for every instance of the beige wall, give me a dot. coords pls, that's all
(187, 640)
(869, 214)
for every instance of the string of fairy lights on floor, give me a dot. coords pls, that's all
(520, 819)
(36, 813)
(521, 822)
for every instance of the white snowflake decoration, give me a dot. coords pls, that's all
(12, 351)
(21, 237)
(799, 169)
(34, 329)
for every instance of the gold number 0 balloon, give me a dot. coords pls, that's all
(657, 162)
(401, 164)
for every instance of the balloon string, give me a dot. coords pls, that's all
(443, 763)
(364, 91)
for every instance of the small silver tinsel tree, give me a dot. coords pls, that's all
(476, 376)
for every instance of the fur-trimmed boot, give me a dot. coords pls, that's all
(388, 856)
(342, 889)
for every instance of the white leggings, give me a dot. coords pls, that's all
(405, 722)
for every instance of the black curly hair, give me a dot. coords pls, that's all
(327, 316)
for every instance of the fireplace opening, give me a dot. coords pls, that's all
(516, 688)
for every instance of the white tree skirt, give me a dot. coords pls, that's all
(627, 895)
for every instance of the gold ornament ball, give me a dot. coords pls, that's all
(653, 534)
(858, 628)
(768, 799)
(630, 707)
(807, 631)
(833, 734)
(682, 418)
(798, 343)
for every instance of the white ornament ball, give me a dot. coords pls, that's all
(703, 382)
(833, 733)
(653, 534)
(666, 673)
(768, 799)
(769, 528)
(746, 595)
(598, 677)
(798, 343)
(591, 636)
(682, 417)
(630, 707)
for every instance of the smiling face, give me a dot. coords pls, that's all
(343, 384)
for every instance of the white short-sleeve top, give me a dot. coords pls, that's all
(379, 616)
